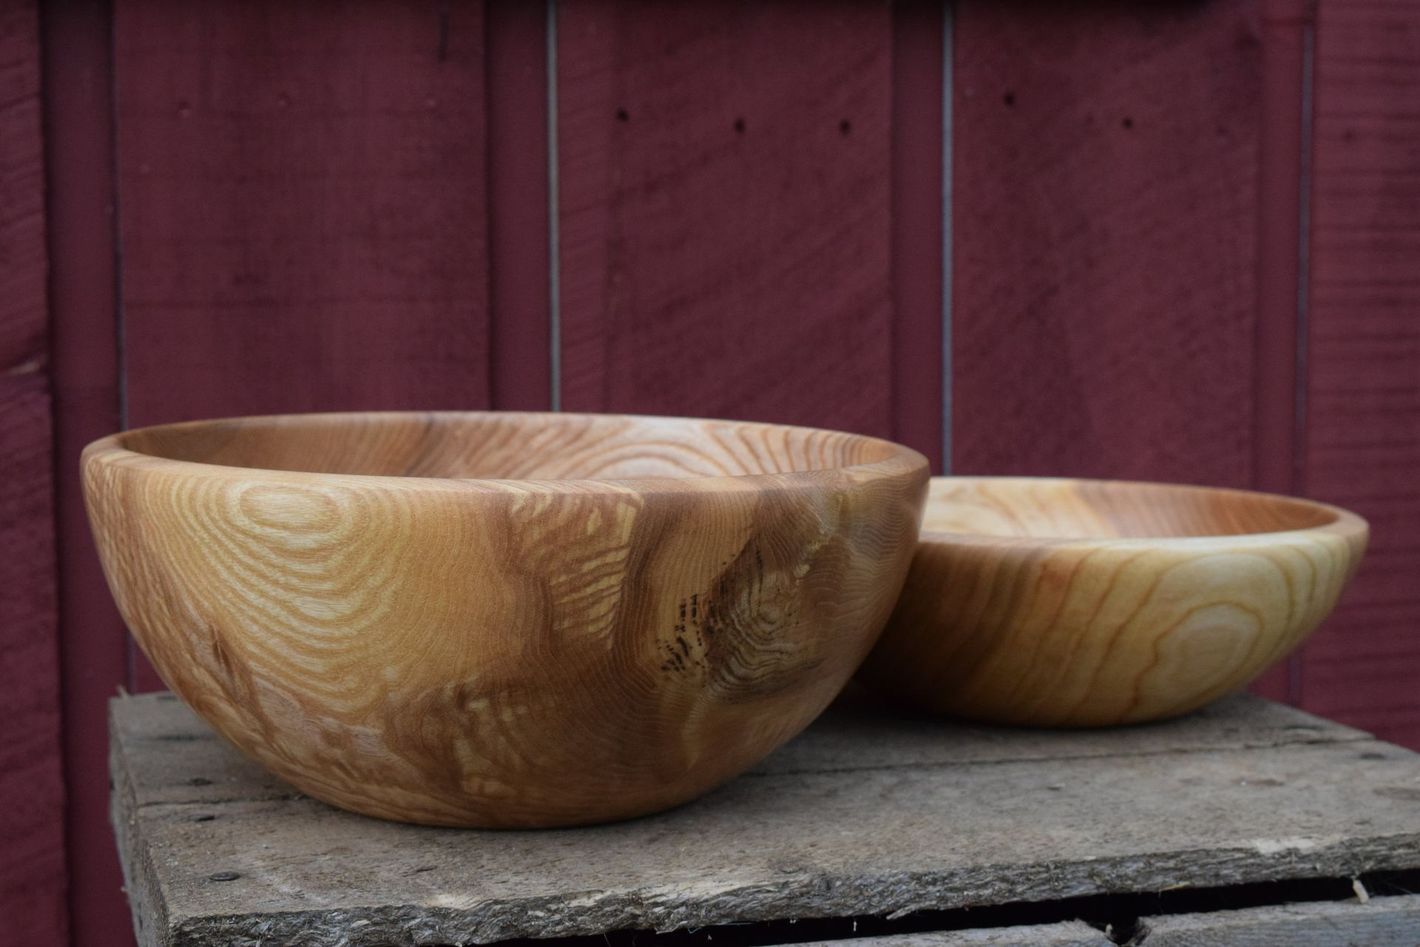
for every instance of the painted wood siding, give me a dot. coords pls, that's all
(1154, 241)
(32, 864)
(1363, 356)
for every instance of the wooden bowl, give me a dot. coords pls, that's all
(503, 619)
(1086, 603)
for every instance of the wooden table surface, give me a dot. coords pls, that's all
(868, 815)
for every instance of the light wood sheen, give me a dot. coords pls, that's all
(1085, 603)
(503, 619)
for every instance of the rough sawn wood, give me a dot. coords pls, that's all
(866, 813)
(1380, 922)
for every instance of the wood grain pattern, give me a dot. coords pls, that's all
(856, 733)
(636, 610)
(1061, 934)
(725, 210)
(1380, 922)
(1363, 391)
(867, 813)
(33, 875)
(1105, 239)
(304, 209)
(1087, 603)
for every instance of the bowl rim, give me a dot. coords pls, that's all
(1344, 523)
(110, 450)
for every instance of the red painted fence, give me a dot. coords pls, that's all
(1183, 245)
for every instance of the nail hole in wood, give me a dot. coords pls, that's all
(622, 115)
(1128, 122)
(740, 125)
(844, 127)
(1009, 98)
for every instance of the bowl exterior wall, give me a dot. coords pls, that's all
(500, 654)
(1102, 633)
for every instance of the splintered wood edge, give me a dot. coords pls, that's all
(591, 913)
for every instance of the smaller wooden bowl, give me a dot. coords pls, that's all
(1088, 603)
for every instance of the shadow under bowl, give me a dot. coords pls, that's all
(488, 619)
(1054, 602)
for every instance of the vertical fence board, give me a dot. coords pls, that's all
(33, 876)
(78, 129)
(32, 869)
(303, 207)
(918, 210)
(1104, 227)
(519, 248)
(1363, 402)
(724, 210)
(1276, 447)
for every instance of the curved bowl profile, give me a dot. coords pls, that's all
(1085, 603)
(490, 619)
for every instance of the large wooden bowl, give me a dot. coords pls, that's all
(1085, 603)
(503, 619)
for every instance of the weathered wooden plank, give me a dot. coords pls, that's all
(834, 840)
(1363, 396)
(173, 756)
(32, 869)
(1380, 922)
(724, 210)
(1064, 934)
(862, 736)
(1105, 239)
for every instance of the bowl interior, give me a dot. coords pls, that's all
(506, 446)
(1089, 509)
